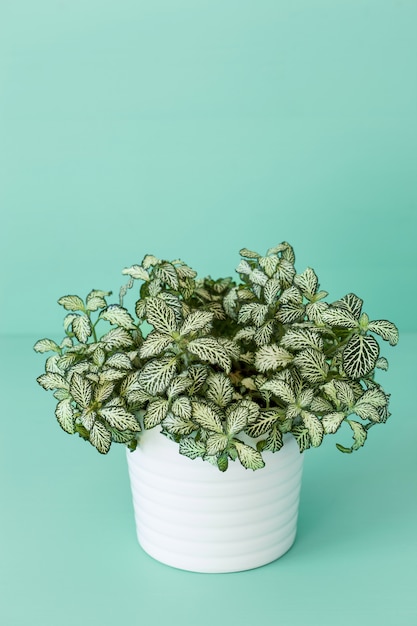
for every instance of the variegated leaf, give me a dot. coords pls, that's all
(273, 442)
(289, 313)
(382, 363)
(81, 390)
(46, 345)
(62, 394)
(302, 437)
(244, 268)
(178, 386)
(82, 328)
(88, 418)
(291, 295)
(196, 320)
(100, 437)
(320, 405)
(264, 334)
(72, 303)
(248, 456)
(206, 417)
(119, 360)
(308, 282)
(198, 375)
(220, 389)
(182, 407)
(161, 316)
(237, 419)
(65, 415)
(344, 393)
(258, 278)
(285, 273)
(271, 357)
(343, 318)
(167, 274)
(157, 374)
(314, 426)
(117, 338)
(271, 290)
(315, 310)
(119, 418)
(177, 425)
(351, 303)
(192, 448)
(301, 338)
(210, 350)
(118, 315)
(359, 434)
(154, 344)
(184, 271)
(55, 364)
(103, 392)
(149, 260)
(245, 313)
(156, 412)
(281, 389)
(312, 365)
(367, 412)
(52, 380)
(360, 356)
(269, 264)
(263, 424)
(111, 373)
(332, 421)
(259, 312)
(96, 299)
(137, 272)
(249, 254)
(376, 397)
(99, 356)
(216, 443)
(245, 334)
(385, 329)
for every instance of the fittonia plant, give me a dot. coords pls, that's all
(227, 367)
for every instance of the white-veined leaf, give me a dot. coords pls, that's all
(320, 405)
(116, 314)
(382, 363)
(196, 320)
(352, 303)
(149, 260)
(46, 345)
(117, 338)
(236, 419)
(177, 425)
(280, 388)
(157, 374)
(100, 437)
(385, 329)
(331, 422)
(271, 357)
(263, 424)
(269, 264)
(285, 272)
(184, 271)
(376, 397)
(315, 310)
(118, 417)
(312, 365)
(314, 426)
(111, 373)
(137, 272)
(156, 412)
(291, 295)
(216, 442)
(161, 316)
(206, 417)
(271, 290)
(54, 363)
(360, 356)
(65, 415)
(68, 319)
(289, 313)
(103, 392)
(81, 327)
(72, 303)
(220, 389)
(308, 282)
(264, 334)
(359, 434)
(88, 418)
(249, 254)
(367, 412)
(61, 394)
(343, 318)
(245, 312)
(167, 274)
(248, 456)
(273, 442)
(245, 334)
(210, 350)
(154, 344)
(198, 375)
(52, 380)
(258, 278)
(344, 393)
(244, 267)
(192, 448)
(301, 338)
(182, 407)
(258, 314)
(178, 385)
(99, 356)
(96, 300)
(81, 390)
(119, 360)
(302, 437)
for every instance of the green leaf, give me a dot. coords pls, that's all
(192, 448)
(237, 419)
(117, 417)
(314, 426)
(216, 442)
(248, 456)
(307, 282)
(209, 349)
(177, 425)
(271, 357)
(46, 345)
(52, 380)
(195, 321)
(161, 316)
(312, 365)
(100, 437)
(157, 374)
(360, 356)
(82, 328)
(385, 329)
(156, 412)
(81, 390)
(335, 316)
(137, 272)
(220, 389)
(332, 421)
(65, 415)
(72, 303)
(206, 417)
(119, 316)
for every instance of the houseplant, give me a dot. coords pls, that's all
(225, 372)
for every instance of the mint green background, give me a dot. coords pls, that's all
(193, 128)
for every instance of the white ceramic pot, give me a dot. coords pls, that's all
(192, 516)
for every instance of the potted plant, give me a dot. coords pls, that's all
(236, 375)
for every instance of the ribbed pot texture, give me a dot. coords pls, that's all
(192, 516)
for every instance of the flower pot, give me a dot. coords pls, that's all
(192, 516)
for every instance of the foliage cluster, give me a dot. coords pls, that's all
(228, 367)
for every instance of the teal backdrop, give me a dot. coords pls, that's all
(191, 129)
